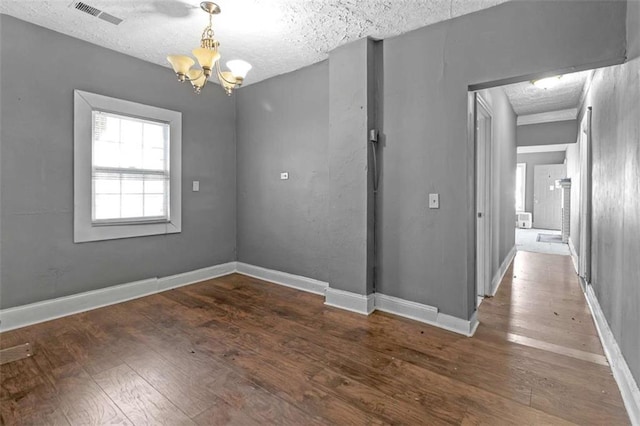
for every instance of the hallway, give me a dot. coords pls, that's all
(540, 307)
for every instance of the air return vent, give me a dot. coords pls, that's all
(93, 11)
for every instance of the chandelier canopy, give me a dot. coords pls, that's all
(208, 57)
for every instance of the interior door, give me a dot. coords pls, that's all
(483, 135)
(547, 199)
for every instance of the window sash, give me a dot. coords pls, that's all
(123, 173)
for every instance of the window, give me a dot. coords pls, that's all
(130, 169)
(521, 178)
(126, 169)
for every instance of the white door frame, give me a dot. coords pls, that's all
(483, 139)
(584, 257)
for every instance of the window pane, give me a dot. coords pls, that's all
(153, 136)
(106, 185)
(130, 131)
(106, 154)
(107, 206)
(154, 205)
(154, 186)
(154, 159)
(132, 185)
(132, 205)
(106, 127)
(131, 155)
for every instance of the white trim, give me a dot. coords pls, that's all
(289, 280)
(406, 308)
(530, 149)
(426, 314)
(199, 275)
(83, 228)
(457, 325)
(574, 255)
(349, 301)
(22, 316)
(548, 117)
(622, 374)
(497, 279)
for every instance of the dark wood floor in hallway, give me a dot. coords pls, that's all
(237, 350)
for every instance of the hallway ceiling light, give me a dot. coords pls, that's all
(547, 83)
(208, 58)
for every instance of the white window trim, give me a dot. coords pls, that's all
(524, 186)
(83, 229)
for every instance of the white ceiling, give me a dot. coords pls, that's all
(275, 36)
(528, 99)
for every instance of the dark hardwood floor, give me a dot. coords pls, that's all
(237, 350)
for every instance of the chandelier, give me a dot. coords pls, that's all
(208, 58)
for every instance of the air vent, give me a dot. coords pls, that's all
(83, 7)
(93, 11)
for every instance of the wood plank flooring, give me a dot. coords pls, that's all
(237, 350)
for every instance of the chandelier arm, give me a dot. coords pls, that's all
(221, 77)
(186, 77)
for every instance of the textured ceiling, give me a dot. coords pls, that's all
(275, 36)
(528, 99)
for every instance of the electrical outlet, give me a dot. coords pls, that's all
(284, 175)
(434, 201)
(196, 186)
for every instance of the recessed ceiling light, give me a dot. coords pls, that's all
(547, 83)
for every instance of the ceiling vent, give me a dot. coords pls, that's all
(93, 11)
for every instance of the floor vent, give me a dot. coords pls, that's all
(93, 11)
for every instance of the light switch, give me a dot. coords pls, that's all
(434, 201)
(196, 185)
(284, 175)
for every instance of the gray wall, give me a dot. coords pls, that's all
(503, 165)
(39, 259)
(532, 160)
(556, 132)
(283, 125)
(351, 113)
(427, 255)
(614, 95)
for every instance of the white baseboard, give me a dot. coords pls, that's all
(497, 279)
(47, 310)
(458, 325)
(424, 313)
(627, 384)
(192, 277)
(353, 302)
(22, 316)
(295, 281)
(574, 255)
(406, 308)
